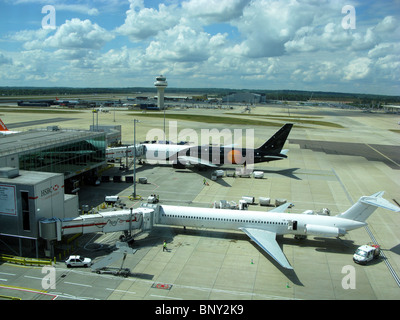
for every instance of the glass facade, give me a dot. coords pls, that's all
(68, 158)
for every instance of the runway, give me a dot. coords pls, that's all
(36, 122)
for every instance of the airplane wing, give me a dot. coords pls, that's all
(266, 240)
(194, 160)
(281, 208)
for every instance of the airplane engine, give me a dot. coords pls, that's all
(323, 231)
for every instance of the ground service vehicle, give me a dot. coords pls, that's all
(366, 253)
(78, 261)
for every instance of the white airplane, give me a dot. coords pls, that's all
(263, 227)
(4, 130)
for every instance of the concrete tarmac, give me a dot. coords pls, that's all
(215, 264)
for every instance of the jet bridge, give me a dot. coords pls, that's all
(124, 220)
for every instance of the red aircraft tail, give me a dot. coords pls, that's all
(3, 126)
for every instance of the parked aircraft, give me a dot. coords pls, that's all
(213, 156)
(263, 227)
(4, 130)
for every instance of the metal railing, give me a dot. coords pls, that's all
(25, 261)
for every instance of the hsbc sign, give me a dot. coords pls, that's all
(49, 190)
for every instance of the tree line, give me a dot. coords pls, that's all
(284, 95)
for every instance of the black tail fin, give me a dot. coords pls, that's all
(275, 144)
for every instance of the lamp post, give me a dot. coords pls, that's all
(134, 158)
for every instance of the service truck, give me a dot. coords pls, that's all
(366, 253)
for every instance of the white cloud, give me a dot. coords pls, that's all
(4, 59)
(215, 10)
(183, 44)
(27, 35)
(78, 34)
(142, 23)
(267, 25)
(388, 25)
(357, 69)
(78, 8)
(384, 49)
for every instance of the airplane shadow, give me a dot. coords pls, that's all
(288, 273)
(396, 249)
(288, 173)
(206, 172)
(320, 244)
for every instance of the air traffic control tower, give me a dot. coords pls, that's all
(161, 83)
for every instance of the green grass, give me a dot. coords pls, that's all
(243, 121)
(296, 119)
(209, 119)
(273, 115)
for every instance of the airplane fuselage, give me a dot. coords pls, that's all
(217, 155)
(279, 223)
(212, 156)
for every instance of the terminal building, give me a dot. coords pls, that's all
(75, 154)
(38, 171)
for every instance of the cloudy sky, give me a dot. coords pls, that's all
(316, 45)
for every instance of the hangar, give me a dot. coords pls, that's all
(245, 97)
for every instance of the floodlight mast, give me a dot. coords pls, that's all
(134, 158)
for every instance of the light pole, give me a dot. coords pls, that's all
(134, 158)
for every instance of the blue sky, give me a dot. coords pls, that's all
(238, 44)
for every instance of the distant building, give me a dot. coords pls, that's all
(244, 97)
